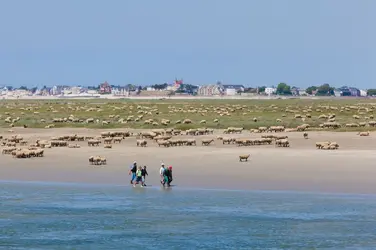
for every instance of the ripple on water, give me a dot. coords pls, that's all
(97, 217)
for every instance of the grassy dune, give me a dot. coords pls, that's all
(235, 113)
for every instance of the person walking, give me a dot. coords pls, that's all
(144, 173)
(161, 174)
(138, 177)
(132, 171)
(169, 176)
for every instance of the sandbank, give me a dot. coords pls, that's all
(350, 169)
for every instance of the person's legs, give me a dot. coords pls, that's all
(133, 177)
(169, 181)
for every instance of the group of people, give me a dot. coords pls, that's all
(166, 175)
(139, 175)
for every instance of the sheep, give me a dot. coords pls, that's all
(187, 121)
(244, 157)
(142, 143)
(206, 142)
(191, 142)
(8, 150)
(108, 146)
(319, 145)
(59, 143)
(118, 139)
(363, 133)
(93, 142)
(97, 160)
(107, 140)
(282, 143)
(164, 143)
(334, 145)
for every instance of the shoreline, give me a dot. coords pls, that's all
(179, 188)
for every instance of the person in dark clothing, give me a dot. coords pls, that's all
(144, 173)
(168, 174)
(133, 170)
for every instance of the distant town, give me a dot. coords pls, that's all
(179, 88)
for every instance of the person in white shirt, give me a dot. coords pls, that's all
(161, 173)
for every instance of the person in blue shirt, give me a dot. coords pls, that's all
(133, 170)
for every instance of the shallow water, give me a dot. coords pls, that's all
(56, 216)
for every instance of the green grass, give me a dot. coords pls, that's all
(242, 112)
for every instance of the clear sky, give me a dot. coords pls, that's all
(264, 42)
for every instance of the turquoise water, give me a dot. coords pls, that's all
(70, 216)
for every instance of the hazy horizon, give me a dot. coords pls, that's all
(253, 43)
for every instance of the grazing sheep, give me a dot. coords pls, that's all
(206, 142)
(191, 142)
(244, 157)
(118, 139)
(142, 143)
(107, 140)
(319, 145)
(282, 143)
(8, 150)
(364, 133)
(97, 160)
(164, 143)
(93, 142)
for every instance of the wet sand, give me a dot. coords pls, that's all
(350, 169)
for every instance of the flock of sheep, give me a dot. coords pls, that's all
(173, 133)
(10, 147)
(168, 137)
(314, 116)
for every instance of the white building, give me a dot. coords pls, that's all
(4, 91)
(302, 92)
(75, 90)
(209, 90)
(92, 92)
(231, 92)
(119, 92)
(363, 93)
(270, 91)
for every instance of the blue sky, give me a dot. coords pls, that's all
(248, 42)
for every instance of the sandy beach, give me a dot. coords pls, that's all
(350, 169)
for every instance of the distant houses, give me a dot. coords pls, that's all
(178, 87)
(270, 91)
(347, 91)
(104, 88)
(220, 89)
(210, 90)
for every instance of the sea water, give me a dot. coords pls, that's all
(71, 216)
